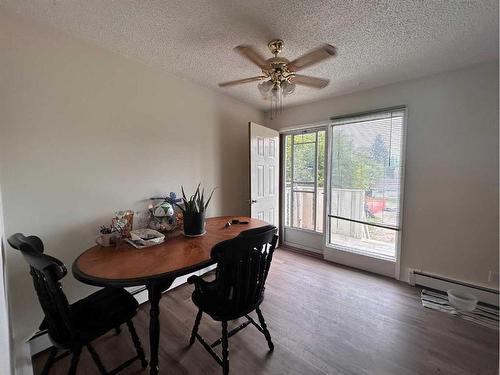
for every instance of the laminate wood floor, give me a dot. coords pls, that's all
(324, 319)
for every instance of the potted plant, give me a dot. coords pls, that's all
(193, 210)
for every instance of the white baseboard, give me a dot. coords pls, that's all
(40, 340)
(485, 295)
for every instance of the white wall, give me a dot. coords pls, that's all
(450, 221)
(85, 132)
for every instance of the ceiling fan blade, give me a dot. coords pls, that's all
(312, 57)
(251, 54)
(315, 82)
(241, 81)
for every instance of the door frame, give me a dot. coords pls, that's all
(358, 260)
(306, 232)
(351, 259)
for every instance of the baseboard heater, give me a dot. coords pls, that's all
(436, 282)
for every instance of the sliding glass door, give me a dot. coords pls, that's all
(365, 188)
(343, 189)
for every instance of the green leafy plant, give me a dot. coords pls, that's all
(196, 203)
(106, 229)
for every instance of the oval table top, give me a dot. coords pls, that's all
(178, 255)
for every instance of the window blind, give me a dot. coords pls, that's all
(366, 168)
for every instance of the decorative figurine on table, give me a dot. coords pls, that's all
(123, 222)
(162, 215)
(121, 225)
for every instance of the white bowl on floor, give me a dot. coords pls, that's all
(462, 301)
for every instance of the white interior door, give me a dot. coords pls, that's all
(264, 173)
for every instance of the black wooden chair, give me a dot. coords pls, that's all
(238, 289)
(73, 327)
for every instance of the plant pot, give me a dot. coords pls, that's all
(194, 224)
(108, 239)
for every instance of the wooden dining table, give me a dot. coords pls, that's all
(156, 267)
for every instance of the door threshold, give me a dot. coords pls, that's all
(301, 251)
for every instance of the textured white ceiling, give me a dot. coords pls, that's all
(378, 42)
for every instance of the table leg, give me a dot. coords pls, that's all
(154, 293)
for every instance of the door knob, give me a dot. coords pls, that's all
(253, 201)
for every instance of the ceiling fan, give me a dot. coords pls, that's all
(279, 75)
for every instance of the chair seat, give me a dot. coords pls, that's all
(101, 311)
(210, 303)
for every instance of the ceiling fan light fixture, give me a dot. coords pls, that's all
(265, 87)
(287, 87)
